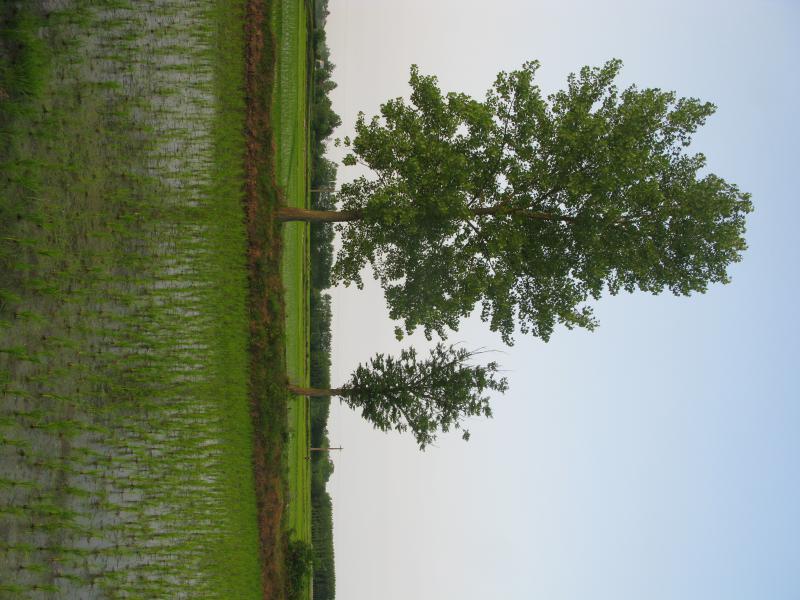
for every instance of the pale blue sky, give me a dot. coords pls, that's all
(658, 457)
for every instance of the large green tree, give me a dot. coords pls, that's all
(532, 205)
(423, 396)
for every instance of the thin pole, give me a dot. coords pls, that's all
(323, 449)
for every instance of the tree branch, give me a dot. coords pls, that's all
(538, 215)
(316, 392)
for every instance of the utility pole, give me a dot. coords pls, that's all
(324, 449)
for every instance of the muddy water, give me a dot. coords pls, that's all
(113, 463)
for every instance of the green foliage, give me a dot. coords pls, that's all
(423, 396)
(23, 58)
(323, 179)
(323, 119)
(531, 206)
(323, 171)
(322, 531)
(299, 563)
(320, 345)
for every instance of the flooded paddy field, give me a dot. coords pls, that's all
(125, 434)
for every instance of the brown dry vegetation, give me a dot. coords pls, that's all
(267, 335)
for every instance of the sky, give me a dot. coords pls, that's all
(657, 457)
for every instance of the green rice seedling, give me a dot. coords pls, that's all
(140, 383)
(12, 590)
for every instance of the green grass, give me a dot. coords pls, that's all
(23, 67)
(234, 558)
(125, 433)
(290, 121)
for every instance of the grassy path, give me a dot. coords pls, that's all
(290, 115)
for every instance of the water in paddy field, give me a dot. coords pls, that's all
(114, 469)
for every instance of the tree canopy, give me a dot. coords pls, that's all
(530, 205)
(423, 396)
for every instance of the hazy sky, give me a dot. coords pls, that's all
(658, 457)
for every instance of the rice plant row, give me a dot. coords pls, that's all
(125, 439)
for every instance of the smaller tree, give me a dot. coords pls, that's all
(423, 396)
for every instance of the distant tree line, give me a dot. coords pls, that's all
(323, 171)
(323, 178)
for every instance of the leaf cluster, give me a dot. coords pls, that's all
(299, 566)
(323, 177)
(531, 206)
(423, 396)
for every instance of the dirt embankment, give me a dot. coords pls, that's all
(267, 336)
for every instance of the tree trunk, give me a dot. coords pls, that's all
(315, 392)
(291, 213)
